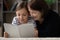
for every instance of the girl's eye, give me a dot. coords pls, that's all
(24, 15)
(18, 14)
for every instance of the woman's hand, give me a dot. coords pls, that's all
(35, 32)
(5, 34)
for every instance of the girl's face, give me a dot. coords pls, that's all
(22, 15)
(35, 14)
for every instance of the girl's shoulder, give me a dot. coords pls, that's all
(31, 20)
(15, 21)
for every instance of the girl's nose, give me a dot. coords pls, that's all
(21, 17)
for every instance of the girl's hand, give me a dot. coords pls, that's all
(5, 34)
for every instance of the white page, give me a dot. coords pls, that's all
(26, 30)
(12, 30)
(18, 31)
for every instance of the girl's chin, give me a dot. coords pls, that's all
(22, 22)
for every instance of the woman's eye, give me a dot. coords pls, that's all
(33, 12)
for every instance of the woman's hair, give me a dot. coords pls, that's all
(39, 5)
(22, 5)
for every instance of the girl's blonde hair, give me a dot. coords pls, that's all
(21, 5)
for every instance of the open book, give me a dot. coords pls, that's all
(19, 31)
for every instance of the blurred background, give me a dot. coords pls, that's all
(7, 10)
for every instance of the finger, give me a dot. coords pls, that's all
(5, 34)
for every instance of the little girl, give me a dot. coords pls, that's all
(22, 15)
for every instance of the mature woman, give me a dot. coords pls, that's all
(47, 21)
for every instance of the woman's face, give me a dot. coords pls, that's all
(35, 14)
(22, 15)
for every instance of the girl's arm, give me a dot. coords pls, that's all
(5, 35)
